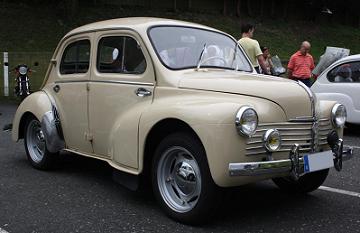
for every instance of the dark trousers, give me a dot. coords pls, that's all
(306, 81)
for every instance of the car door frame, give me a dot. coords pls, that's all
(76, 139)
(124, 157)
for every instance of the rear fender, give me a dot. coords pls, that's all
(40, 105)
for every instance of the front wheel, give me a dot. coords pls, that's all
(35, 146)
(305, 184)
(181, 179)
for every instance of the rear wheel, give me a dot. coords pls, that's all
(305, 184)
(35, 146)
(181, 179)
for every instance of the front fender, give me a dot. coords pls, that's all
(36, 104)
(211, 116)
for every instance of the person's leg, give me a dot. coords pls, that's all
(307, 82)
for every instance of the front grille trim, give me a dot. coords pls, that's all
(294, 131)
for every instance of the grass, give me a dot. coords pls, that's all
(34, 37)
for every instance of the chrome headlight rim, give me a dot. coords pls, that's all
(239, 116)
(267, 135)
(334, 112)
(23, 70)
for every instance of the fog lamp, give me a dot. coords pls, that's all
(272, 140)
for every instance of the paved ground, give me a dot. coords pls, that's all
(80, 196)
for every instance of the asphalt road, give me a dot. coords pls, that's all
(80, 196)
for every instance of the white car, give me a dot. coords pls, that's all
(341, 82)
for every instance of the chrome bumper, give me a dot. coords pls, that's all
(293, 166)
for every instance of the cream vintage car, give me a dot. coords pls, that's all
(179, 105)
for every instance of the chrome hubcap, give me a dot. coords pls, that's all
(179, 179)
(35, 141)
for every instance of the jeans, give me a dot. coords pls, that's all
(307, 81)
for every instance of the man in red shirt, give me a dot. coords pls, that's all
(301, 64)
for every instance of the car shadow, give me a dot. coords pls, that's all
(352, 130)
(243, 205)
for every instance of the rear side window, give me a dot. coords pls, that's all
(345, 73)
(120, 54)
(76, 58)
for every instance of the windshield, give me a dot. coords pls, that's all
(185, 47)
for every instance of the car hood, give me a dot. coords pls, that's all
(289, 95)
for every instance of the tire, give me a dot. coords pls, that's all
(306, 183)
(181, 179)
(35, 146)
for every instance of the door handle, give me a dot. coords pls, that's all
(56, 88)
(142, 92)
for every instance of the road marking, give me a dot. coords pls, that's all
(341, 191)
(3, 231)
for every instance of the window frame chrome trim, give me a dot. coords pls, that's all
(106, 81)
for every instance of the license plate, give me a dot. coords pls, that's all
(318, 161)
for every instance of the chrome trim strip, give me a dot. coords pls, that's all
(311, 96)
(106, 81)
(325, 129)
(296, 139)
(285, 123)
(260, 168)
(255, 147)
(254, 142)
(296, 134)
(71, 81)
(291, 144)
(281, 150)
(123, 82)
(302, 119)
(314, 145)
(286, 129)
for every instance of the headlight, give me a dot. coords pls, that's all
(338, 115)
(246, 121)
(22, 70)
(272, 140)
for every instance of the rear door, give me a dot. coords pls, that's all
(71, 77)
(121, 88)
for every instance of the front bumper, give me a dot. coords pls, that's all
(293, 166)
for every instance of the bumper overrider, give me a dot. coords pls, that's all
(295, 166)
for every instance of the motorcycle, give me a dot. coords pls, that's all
(22, 88)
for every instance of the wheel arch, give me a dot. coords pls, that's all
(157, 133)
(22, 124)
(36, 104)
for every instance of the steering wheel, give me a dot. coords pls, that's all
(213, 58)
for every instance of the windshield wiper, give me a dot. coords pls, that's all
(201, 57)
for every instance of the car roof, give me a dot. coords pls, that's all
(133, 23)
(349, 58)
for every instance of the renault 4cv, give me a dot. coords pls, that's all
(180, 105)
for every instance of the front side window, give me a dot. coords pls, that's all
(120, 54)
(186, 47)
(76, 58)
(345, 73)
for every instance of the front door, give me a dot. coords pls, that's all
(71, 76)
(121, 88)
